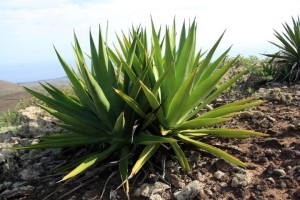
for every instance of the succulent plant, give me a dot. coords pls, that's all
(142, 93)
(287, 59)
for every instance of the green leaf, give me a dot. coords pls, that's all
(198, 123)
(180, 156)
(186, 56)
(149, 119)
(239, 102)
(127, 66)
(120, 124)
(104, 71)
(205, 64)
(228, 109)
(160, 80)
(203, 90)
(231, 133)
(148, 139)
(123, 166)
(132, 103)
(76, 83)
(147, 153)
(69, 109)
(80, 127)
(91, 161)
(157, 50)
(212, 96)
(103, 107)
(154, 103)
(211, 149)
(64, 140)
(215, 65)
(181, 98)
(182, 38)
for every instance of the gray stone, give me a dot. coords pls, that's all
(17, 192)
(258, 114)
(177, 181)
(272, 119)
(208, 191)
(25, 141)
(6, 135)
(147, 190)
(5, 185)
(170, 164)
(296, 123)
(274, 94)
(270, 153)
(36, 122)
(155, 197)
(52, 183)
(297, 153)
(29, 174)
(223, 184)
(271, 180)
(2, 159)
(113, 195)
(219, 174)
(264, 123)
(190, 191)
(241, 179)
(18, 184)
(279, 172)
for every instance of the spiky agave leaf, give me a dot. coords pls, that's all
(94, 116)
(186, 85)
(287, 59)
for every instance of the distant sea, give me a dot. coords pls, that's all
(30, 72)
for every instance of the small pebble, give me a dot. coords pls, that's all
(208, 191)
(219, 174)
(113, 195)
(279, 172)
(297, 153)
(223, 184)
(52, 183)
(271, 180)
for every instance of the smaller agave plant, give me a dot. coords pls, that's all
(287, 59)
(142, 94)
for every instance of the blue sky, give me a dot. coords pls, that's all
(30, 28)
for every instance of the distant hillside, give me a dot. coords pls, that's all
(56, 81)
(12, 93)
(6, 86)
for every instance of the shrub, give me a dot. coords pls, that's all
(287, 60)
(11, 116)
(142, 94)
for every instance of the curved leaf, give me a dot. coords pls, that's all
(181, 157)
(91, 161)
(211, 149)
(148, 151)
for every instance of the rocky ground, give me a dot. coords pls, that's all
(273, 170)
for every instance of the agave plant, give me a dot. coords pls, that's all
(183, 85)
(287, 59)
(142, 94)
